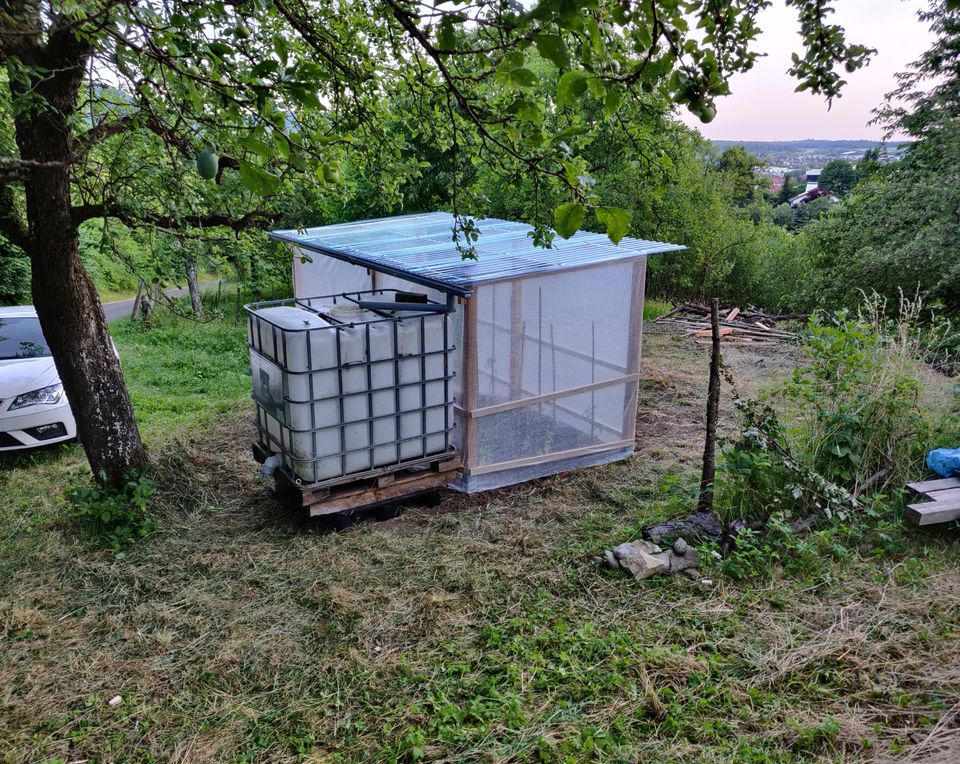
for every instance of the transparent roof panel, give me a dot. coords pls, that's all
(420, 248)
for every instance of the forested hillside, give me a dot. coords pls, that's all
(892, 230)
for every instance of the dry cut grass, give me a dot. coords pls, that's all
(478, 630)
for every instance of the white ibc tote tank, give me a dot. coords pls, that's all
(332, 406)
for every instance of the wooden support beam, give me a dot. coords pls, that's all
(634, 347)
(934, 485)
(932, 512)
(469, 382)
(516, 339)
(547, 458)
(510, 405)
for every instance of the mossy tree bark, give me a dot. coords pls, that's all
(66, 301)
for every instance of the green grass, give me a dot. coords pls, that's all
(477, 631)
(181, 372)
(655, 308)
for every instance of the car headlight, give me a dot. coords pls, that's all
(45, 396)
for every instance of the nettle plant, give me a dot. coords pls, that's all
(114, 516)
(762, 477)
(857, 421)
(860, 419)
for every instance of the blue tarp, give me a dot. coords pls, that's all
(945, 461)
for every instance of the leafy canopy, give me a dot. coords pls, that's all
(283, 93)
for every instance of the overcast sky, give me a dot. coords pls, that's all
(763, 104)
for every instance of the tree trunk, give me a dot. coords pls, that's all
(67, 303)
(193, 285)
(708, 474)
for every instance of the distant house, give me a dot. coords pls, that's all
(808, 196)
(812, 191)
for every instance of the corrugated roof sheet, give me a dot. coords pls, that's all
(420, 248)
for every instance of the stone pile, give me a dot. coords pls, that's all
(643, 559)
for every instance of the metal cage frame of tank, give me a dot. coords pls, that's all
(412, 251)
(286, 449)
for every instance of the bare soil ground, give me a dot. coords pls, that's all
(478, 630)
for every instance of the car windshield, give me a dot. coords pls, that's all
(21, 338)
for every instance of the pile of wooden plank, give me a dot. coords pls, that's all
(942, 501)
(736, 325)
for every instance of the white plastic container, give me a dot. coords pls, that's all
(336, 406)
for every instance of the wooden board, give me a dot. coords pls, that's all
(533, 400)
(399, 490)
(934, 485)
(708, 332)
(932, 512)
(554, 457)
(945, 494)
(386, 487)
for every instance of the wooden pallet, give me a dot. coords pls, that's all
(942, 505)
(388, 487)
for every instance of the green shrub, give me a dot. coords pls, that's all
(858, 421)
(859, 401)
(14, 276)
(760, 476)
(114, 517)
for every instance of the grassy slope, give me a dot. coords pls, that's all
(476, 631)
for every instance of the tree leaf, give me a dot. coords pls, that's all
(616, 221)
(257, 147)
(568, 218)
(552, 48)
(257, 179)
(446, 38)
(523, 77)
(612, 100)
(571, 86)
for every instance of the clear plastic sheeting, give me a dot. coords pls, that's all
(551, 333)
(419, 248)
(554, 372)
(490, 481)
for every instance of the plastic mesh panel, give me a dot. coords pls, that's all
(556, 361)
(550, 333)
(566, 423)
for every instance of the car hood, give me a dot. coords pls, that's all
(21, 375)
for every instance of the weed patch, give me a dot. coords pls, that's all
(114, 517)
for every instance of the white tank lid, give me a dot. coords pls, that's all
(288, 317)
(349, 312)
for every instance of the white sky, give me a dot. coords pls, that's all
(763, 104)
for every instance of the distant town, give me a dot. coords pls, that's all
(793, 167)
(795, 155)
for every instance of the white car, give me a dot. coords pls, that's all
(33, 407)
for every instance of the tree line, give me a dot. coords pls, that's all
(153, 137)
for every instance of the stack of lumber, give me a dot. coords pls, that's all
(736, 325)
(942, 501)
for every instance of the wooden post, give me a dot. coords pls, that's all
(705, 504)
(136, 300)
(634, 342)
(469, 382)
(516, 339)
